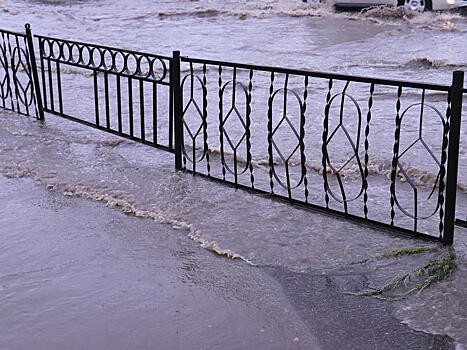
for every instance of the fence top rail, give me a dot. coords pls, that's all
(3, 31)
(325, 75)
(41, 37)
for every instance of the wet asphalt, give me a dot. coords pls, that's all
(76, 274)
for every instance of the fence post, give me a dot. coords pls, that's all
(178, 108)
(35, 77)
(453, 156)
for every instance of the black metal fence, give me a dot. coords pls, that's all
(126, 86)
(18, 74)
(305, 137)
(383, 152)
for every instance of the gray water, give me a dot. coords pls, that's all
(139, 180)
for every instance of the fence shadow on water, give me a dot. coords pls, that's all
(381, 152)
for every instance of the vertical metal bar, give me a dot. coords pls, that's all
(221, 121)
(453, 156)
(284, 116)
(287, 173)
(178, 108)
(422, 108)
(44, 86)
(442, 168)
(24, 90)
(130, 104)
(141, 108)
(415, 210)
(193, 137)
(248, 131)
(205, 120)
(4, 66)
(96, 97)
(395, 155)
(270, 106)
(154, 115)
(1, 86)
(302, 138)
(7, 77)
(119, 104)
(171, 115)
(51, 89)
(59, 86)
(324, 147)
(107, 103)
(367, 146)
(235, 166)
(7, 70)
(13, 71)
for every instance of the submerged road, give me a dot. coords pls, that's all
(76, 274)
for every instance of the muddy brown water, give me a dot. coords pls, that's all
(77, 161)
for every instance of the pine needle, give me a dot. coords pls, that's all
(407, 251)
(434, 271)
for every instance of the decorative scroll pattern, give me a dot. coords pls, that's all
(397, 164)
(244, 123)
(278, 90)
(354, 146)
(111, 60)
(201, 112)
(16, 84)
(274, 146)
(134, 113)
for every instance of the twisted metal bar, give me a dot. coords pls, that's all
(324, 140)
(248, 125)
(395, 153)
(271, 159)
(367, 132)
(205, 123)
(221, 133)
(444, 157)
(302, 137)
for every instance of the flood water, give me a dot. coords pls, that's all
(381, 43)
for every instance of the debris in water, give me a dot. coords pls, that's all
(434, 271)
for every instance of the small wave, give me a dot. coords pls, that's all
(73, 139)
(399, 14)
(259, 9)
(420, 177)
(388, 13)
(70, 16)
(425, 62)
(414, 63)
(117, 199)
(208, 12)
